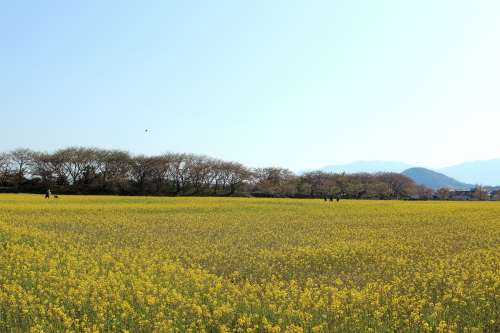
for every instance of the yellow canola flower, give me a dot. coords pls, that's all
(143, 264)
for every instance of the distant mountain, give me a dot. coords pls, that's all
(434, 179)
(364, 166)
(477, 172)
(486, 173)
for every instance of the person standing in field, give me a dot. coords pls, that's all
(47, 194)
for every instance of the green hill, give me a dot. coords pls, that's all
(434, 179)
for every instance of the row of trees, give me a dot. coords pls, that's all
(100, 171)
(477, 193)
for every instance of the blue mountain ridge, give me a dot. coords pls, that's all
(481, 172)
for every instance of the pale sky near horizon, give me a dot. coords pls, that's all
(293, 84)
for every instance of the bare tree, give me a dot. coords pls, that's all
(80, 163)
(289, 187)
(162, 170)
(342, 182)
(6, 168)
(328, 186)
(424, 192)
(213, 173)
(316, 182)
(380, 190)
(234, 175)
(481, 193)
(179, 170)
(274, 181)
(58, 162)
(201, 172)
(399, 185)
(21, 159)
(89, 159)
(357, 185)
(444, 193)
(142, 169)
(363, 185)
(42, 167)
(113, 167)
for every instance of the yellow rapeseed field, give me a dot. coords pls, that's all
(147, 264)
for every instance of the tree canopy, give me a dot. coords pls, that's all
(82, 170)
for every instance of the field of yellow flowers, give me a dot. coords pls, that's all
(148, 264)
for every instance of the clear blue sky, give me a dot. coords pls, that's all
(294, 84)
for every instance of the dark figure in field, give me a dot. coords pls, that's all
(331, 198)
(338, 198)
(47, 194)
(325, 198)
